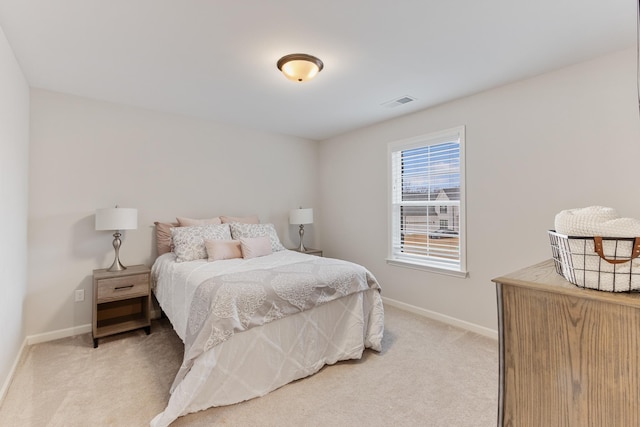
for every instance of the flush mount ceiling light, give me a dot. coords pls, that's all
(300, 67)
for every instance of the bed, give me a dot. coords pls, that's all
(253, 324)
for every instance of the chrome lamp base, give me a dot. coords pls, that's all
(301, 232)
(117, 265)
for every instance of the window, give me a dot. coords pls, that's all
(426, 186)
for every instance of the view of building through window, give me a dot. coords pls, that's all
(430, 214)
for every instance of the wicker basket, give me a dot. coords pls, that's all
(603, 263)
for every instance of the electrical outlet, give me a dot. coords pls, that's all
(79, 295)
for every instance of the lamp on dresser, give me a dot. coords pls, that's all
(116, 219)
(301, 217)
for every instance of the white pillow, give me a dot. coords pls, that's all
(253, 247)
(223, 249)
(239, 231)
(188, 242)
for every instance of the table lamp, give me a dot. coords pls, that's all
(301, 216)
(116, 219)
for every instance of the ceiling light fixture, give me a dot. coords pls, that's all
(300, 67)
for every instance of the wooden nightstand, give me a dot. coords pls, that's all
(121, 301)
(309, 251)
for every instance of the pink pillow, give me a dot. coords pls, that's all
(163, 236)
(253, 247)
(222, 249)
(242, 219)
(189, 222)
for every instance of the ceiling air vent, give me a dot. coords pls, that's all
(398, 101)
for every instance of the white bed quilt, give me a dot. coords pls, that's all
(269, 354)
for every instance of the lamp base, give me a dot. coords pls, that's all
(117, 265)
(301, 232)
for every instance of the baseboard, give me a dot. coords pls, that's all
(56, 335)
(481, 330)
(12, 371)
(70, 332)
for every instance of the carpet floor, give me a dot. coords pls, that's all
(427, 374)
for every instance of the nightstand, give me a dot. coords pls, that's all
(309, 251)
(121, 301)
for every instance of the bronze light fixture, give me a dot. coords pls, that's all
(300, 67)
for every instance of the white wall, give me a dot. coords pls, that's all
(14, 152)
(562, 140)
(87, 154)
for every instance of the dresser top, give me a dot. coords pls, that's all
(543, 277)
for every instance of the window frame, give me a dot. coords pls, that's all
(419, 261)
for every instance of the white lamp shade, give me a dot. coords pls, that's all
(301, 216)
(116, 219)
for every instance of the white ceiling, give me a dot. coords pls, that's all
(216, 59)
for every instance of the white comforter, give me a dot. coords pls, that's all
(237, 369)
(174, 283)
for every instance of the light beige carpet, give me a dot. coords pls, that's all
(428, 374)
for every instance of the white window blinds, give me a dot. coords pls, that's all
(427, 203)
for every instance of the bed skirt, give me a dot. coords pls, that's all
(260, 360)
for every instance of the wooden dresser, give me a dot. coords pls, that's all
(568, 356)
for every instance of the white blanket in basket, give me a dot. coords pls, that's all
(596, 221)
(590, 270)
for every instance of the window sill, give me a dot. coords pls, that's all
(431, 269)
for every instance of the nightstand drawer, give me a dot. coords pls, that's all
(118, 288)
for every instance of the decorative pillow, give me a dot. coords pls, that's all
(253, 247)
(242, 219)
(188, 242)
(189, 222)
(224, 249)
(163, 236)
(239, 231)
